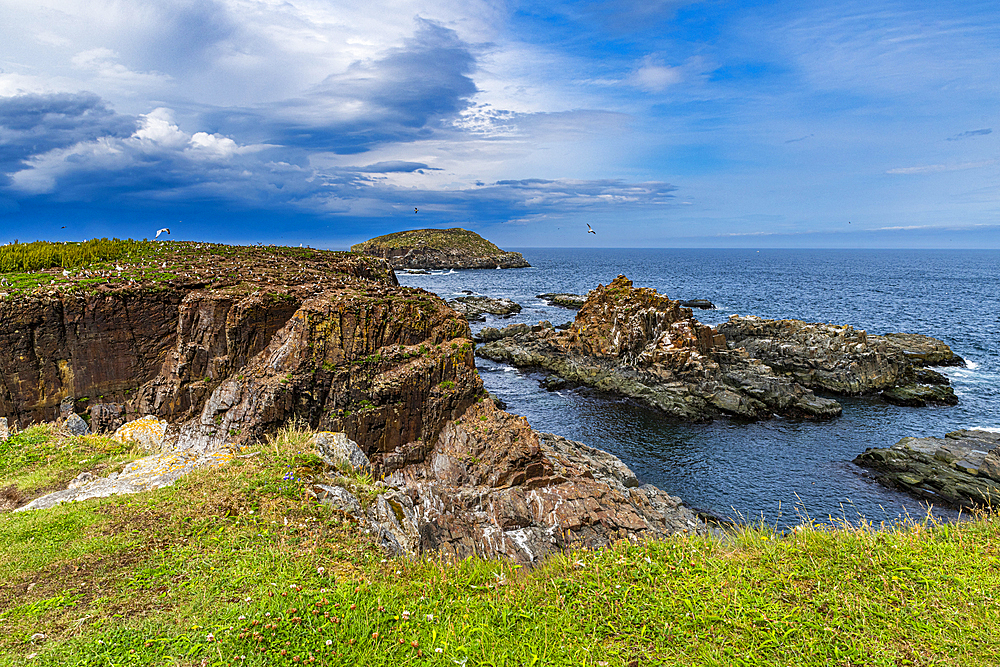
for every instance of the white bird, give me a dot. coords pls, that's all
(161, 231)
(117, 268)
(590, 230)
(65, 273)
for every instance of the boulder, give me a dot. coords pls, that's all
(75, 424)
(106, 417)
(919, 396)
(475, 308)
(962, 469)
(148, 432)
(4, 429)
(924, 350)
(573, 301)
(702, 304)
(339, 451)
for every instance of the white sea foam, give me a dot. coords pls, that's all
(991, 429)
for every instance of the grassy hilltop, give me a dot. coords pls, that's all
(239, 565)
(439, 249)
(437, 239)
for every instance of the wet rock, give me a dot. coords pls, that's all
(475, 308)
(75, 424)
(927, 376)
(918, 396)
(553, 382)
(702, 304)
(637, 343)
(339, 451)
(573, 301)
(962, 469)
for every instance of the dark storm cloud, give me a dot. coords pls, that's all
(971, 133)
(34, 124)
(400, 97)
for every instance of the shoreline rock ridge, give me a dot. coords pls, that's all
(392, 368)
(638, 343)
(454, 248)
(962, 469)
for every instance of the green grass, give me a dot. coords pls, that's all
(28, 257)
(42, 458)
(237, 565)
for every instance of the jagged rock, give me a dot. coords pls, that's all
(961, 469)
(338, 451)
(66, 406)
(494, 487)
(4, 429)
(75, 424)
(703, 304)
(106, 417)
(475, 308)
(573, 301)
(338, 498)
(553, 382)
(148, 432)
(842, 360)
(638, 343)
(918, 396)
(924, 350)
(454, 248)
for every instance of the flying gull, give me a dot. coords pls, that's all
(590, 230)
(161, 231)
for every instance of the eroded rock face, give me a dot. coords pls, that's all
(843, 360)
(492, 486)
(962, 469)
(641, 344)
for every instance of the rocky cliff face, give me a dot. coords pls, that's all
(641, 344)
(227, 358)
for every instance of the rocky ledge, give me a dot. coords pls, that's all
(843, 360)
(563, 299)
(329, 340)
(962, 469)
(638, 343)
(455, 248)
(475, 308)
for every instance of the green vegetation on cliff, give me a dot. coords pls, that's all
(436, 239)
(239, 565)
(75, 267)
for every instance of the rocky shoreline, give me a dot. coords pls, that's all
(637, 343)
(961, 469)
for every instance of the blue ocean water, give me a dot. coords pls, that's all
(781, 470)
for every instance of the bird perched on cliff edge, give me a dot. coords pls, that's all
(589, 229)
(161, 231)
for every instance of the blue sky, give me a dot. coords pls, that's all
(666, 124)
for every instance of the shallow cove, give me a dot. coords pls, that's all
(781, 468)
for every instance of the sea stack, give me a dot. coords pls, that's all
(454, 248)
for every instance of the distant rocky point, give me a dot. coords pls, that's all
(455, 248)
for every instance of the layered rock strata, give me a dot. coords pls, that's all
(390, 368)
(962, 469)
(637, 343)
(494, 487)
(843, 360)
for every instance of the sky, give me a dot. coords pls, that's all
(659, 123)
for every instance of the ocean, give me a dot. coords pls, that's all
(783, 471)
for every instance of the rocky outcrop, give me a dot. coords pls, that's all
(475, 308)
(572, 301)
(637, 343)
(455, 248)
(494, 487)
(923, 350)
(387, 375)
(843, 360)
(962, 469)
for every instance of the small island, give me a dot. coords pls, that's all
(454, 248)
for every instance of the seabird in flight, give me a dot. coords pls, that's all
(589, 229)
(161, 231)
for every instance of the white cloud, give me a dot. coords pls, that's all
(653, 76)
(937, 168)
